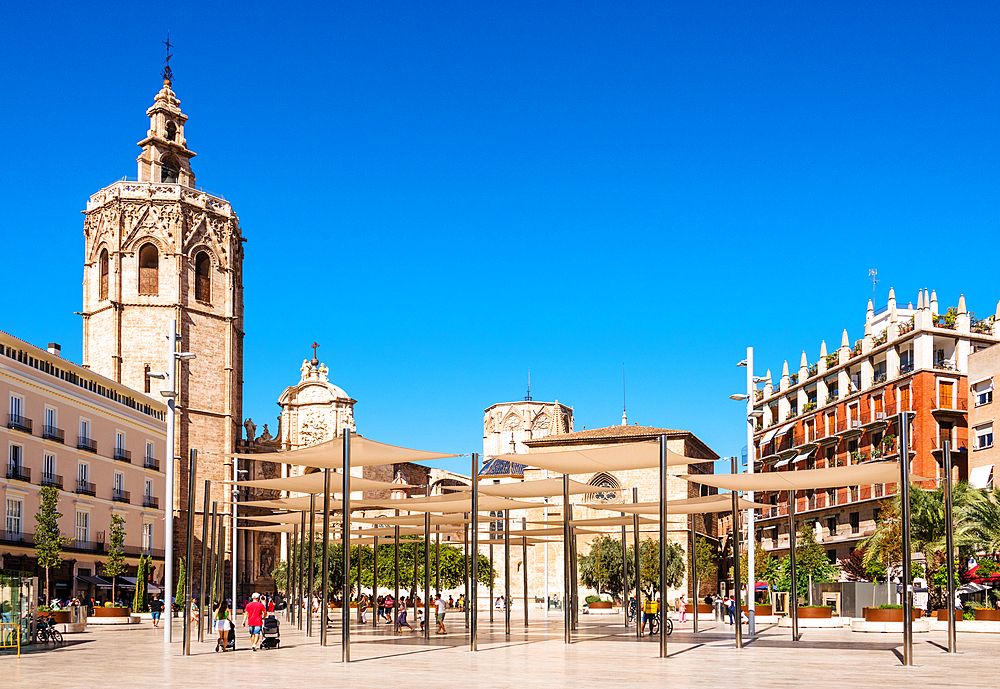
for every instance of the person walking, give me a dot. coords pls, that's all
(253, 616)
(441, 607)
(156, 610)
(731, 609)
(223, 618)
(363, 608)
(401, 620)
(649, 609)
(682, 608)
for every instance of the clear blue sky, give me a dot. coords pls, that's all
(444, 194)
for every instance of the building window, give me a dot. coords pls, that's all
(119, 481)
(171, 131)
(149, 450)
(983, 392)
(119, 441)
(906, 362)
(831, 555)
(49, 467)
(103, 289)
(904, 399)
(82, 529)
(149, 269)
(831, 497)
(609, 485)
(84, 429)
(83, 472)
(830, 452)
(855, 518)
(945, 396)
(16, 408)
(15, 510)
(203, 278)
(169, 170)
(831, 525)
(147, 536)
(984, 436)
(15, 459)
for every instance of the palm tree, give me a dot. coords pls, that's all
(984, 528)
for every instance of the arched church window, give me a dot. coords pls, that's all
(149, 269)
(169, 170)
(608, 485)
(104, 274)
(203, 277)
(171, 131)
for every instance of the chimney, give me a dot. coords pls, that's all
(55, 349)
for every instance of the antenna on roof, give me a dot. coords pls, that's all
(527, 398)
(872, 272)
(624, 418)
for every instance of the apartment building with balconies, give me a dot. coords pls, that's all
(984, 417)
(841, 409)
(100, 443)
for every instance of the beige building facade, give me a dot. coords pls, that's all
(507, 426)
(100, 443)
(984, 455)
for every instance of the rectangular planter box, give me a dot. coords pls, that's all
(600, 605)
(112, 612)
(758, 610)
(889, 614)
(815, 613)
(986, 615)
(704, 609)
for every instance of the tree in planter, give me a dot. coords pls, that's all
(707, 561)
(181, 581)
(141, 577)
(649, 566)
(601, 568)
(810, 563)
(763, 563)
(115, 565)
(49, 541)
(856, 570)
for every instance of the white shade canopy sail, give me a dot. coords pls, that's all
(806, 479)
(542, 488)
(702, 505)
(414, 520)
(602, 521)
(330, 454)
(618, 457)
(313, 483)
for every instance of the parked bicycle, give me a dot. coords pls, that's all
(47, 631)
(654, 625)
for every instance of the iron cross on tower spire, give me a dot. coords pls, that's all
(167, 74)
(315, 361)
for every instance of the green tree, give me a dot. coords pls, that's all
(649, 565)
(707, 560)
(49, 541)
(141, 578)
(115, 565)
(601, 568)
(810, 561)
(983, 530)
(181, 581)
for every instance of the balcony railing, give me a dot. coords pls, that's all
(151, 501)
(123, 455)
(53, 433)
(19, 423)
(86, 444)
(17, 538)
(906, 368)
(86, 546)
(16, 472)
(52, 480)
(85, 488)
(151, 463)
(136, 551)
(118, 495)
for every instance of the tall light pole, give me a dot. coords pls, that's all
(168, 529)
(751, 455)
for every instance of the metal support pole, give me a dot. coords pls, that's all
(168, 528)
(492, 600)
(524, 567)
(693, 556)
(211, 563)
(437, 561)
(904, 486)
(374, 579)
(395, 577)
(416, 581)
(235, 534)
(473, 602)
(465, 546)
(220, 563)
(293, 575)
(312, 565)
(793, 597)
(324, 592)
(663, 545)
(302, 569)
(573, 576)
(506, 572)
(567, 621)
(949, 549)
(345, 610)
(427, 568)
(638, 577)
(189, 570)
(751, 533)
(204, 566)
(737, 579)
(624, 576)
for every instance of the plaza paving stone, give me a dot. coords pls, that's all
(603, 652)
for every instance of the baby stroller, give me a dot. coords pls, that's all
(271, 633)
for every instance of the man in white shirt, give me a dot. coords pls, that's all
(440, 607)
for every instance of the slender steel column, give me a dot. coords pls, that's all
(524, 567)
(188, 578)
(949, 549)
(465, 561)
(204, 566)
(567, 621)
(474, 603)
(492, 599)
(793, 596)
(301, 568)
(211, 562)
(220, 563)
(437, 560)
(624, 576)
(395, 578)
(312, 565)
(737, 578)
(904, 481)
(573, 577)
(374, 579)
(427, 568)
(345, 617)
(638, 574)
(663, 544)
(416, 579)
(293, 577)
(325, 593)
(692, 556)
(506, 572)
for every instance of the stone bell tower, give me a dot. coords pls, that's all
(157, 249)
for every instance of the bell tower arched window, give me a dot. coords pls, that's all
(103, 267)
(149, 269)
(171, 131)
(203, 277)
(169, 170)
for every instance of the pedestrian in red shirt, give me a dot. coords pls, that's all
(253, 615)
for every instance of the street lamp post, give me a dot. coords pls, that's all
(170, 393)
(751, 535)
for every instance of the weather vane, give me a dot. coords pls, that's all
(872, 272)
(167, 74)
